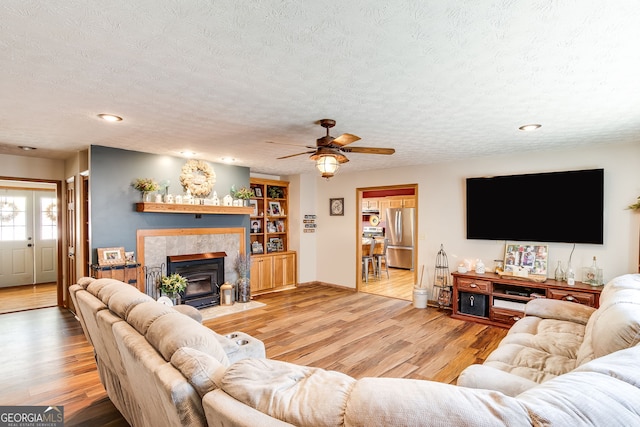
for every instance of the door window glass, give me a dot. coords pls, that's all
(13, 218)
(48, 218)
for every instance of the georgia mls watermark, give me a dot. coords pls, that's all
(31, 416)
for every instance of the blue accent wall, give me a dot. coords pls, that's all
(114, 220)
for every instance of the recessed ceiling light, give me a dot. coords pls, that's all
(529, 128)
(110, 117)
(188, 153)
(228, 159)
(27, 148)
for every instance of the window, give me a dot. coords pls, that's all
(48, 218)
(13, 218)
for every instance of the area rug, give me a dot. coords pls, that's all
(223, 310)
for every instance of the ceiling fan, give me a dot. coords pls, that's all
(328, 152)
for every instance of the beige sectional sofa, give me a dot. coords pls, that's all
(556, 337)
(135, 340)
(181, 366)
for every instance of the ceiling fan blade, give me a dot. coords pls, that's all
(345, 138)
(293, 155)
(368, 150)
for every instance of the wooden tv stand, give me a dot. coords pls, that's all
(499, 301)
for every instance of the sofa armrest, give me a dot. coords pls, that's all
(487, 377)
(190, 311)
(546, 308)
(223, 410)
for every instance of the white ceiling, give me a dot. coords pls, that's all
(436, 80)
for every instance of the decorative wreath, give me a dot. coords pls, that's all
(51, 212)
(8, 211)
(197, 177)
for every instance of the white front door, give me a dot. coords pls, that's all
(45, 236)
(28, 237)
(16, 238)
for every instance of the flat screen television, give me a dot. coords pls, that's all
(540, 207)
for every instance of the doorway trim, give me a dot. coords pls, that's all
(358, 218)
(59, 197)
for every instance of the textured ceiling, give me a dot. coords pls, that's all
(436, 80)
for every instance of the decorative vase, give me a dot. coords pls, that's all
(244, 289)
(146, 196)
(245, 203)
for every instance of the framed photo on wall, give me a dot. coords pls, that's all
(111, 256)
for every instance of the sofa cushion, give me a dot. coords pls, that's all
(580, 397)
(405, 402)
(125, 299)
(299, 395)
(616, 324)
(202, 371)
(537, 349)
(144, 314)
(174, 330)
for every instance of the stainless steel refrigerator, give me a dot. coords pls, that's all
(399, 231)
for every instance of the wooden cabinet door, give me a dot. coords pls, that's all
(382, 206)
(409, 202)
(284, 270)
(261, 273)
(395, 203)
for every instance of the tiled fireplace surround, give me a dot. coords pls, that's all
(154, 245)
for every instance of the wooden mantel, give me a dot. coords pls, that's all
(192, 209)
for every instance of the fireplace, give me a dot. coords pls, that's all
(205, 275)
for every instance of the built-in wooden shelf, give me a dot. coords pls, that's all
(192, 209)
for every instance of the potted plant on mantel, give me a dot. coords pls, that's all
(145, 186)
(243, 194)
(173, 286)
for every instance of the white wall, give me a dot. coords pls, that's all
(301, 203)
(31, 167)
(441, 210)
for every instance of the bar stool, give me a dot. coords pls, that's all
(369, 258)
(382, 257)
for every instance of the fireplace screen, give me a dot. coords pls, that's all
(205, 275)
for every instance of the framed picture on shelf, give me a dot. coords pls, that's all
(256, 248)
(254, 205)
(271, 227)
(533, 258)
(276, 243)
(275, 209)
(280, 226)
(256, 226)
(111, 256)
(257, 191)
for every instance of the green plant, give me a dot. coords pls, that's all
(173, 284)
(243, 193)
(145, 185)
(635, 206)
(275, 192)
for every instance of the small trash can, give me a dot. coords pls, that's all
(420, 296)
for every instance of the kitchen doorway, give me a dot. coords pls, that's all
(387, 213)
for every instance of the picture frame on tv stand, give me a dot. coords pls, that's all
(534, 258)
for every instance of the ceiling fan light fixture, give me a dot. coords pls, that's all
(110, 117)
(327, 165)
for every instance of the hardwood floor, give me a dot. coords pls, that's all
(51, 363)
(399, 284)
(28, 297)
